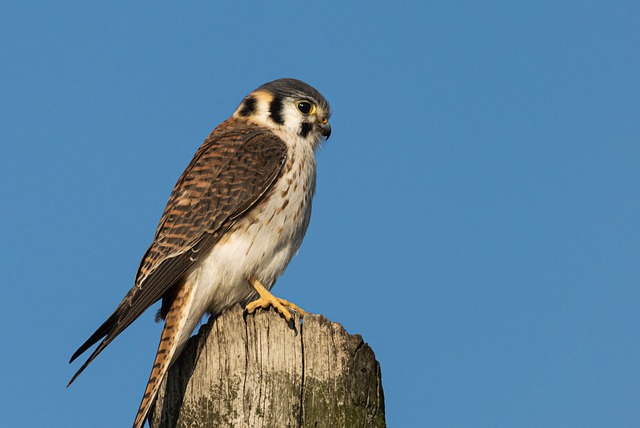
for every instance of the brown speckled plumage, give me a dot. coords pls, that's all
(233, 221)
(229, 173)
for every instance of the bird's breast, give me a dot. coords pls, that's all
(262, 242)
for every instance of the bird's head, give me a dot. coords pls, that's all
(290, 106)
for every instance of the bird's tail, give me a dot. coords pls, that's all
(173, 337)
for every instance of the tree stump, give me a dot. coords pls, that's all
(256, 371)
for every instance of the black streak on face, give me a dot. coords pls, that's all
(305, 128)
(248, 107)
(275, 110)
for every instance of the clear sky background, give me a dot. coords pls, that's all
(476, 218)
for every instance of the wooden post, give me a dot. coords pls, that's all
(256, 371)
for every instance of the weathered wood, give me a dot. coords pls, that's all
(256, 371)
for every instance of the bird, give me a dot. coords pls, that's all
(234, 220)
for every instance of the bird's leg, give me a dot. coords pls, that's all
(267, 299)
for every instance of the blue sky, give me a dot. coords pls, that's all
(476, 218)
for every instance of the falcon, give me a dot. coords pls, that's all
(234, 220)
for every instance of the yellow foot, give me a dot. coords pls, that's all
(267, 299)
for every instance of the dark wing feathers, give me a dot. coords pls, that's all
(229, 173)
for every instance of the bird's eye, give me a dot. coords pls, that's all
(304, 107)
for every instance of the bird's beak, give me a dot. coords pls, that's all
(325, 129)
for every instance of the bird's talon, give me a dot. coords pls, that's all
(267, 299)
(292, 325)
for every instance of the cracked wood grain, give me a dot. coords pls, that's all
(255, 371)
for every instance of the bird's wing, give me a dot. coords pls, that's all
(230, 172)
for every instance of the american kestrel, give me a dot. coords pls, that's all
(234, 220)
